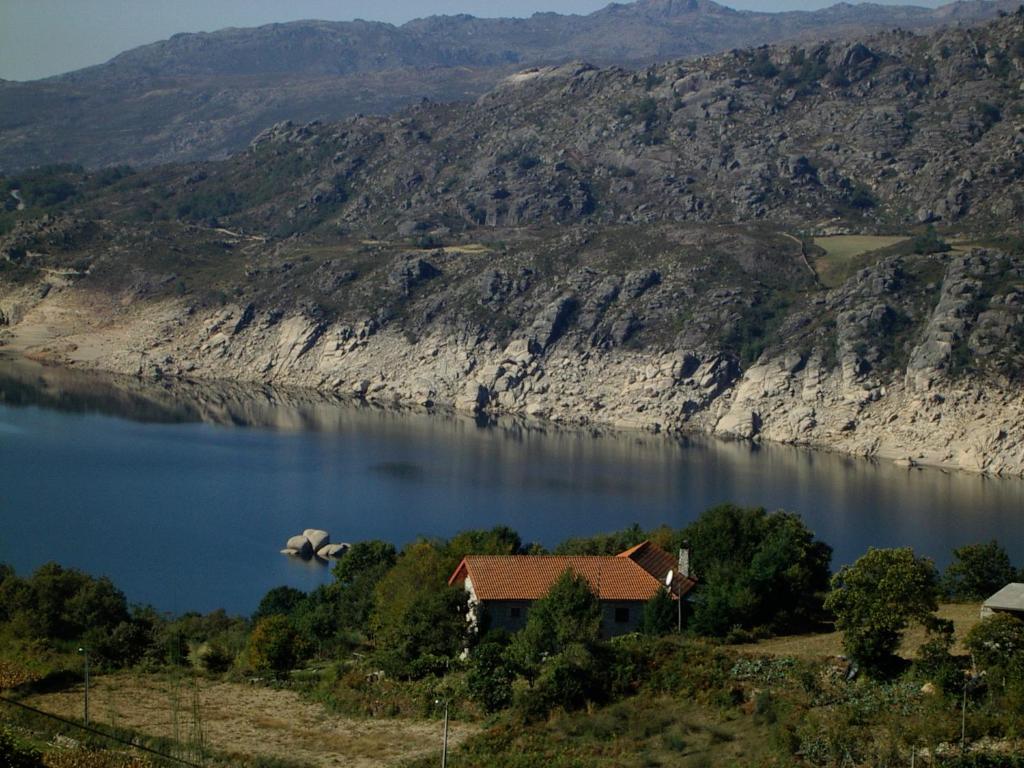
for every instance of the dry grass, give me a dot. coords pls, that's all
(963, 615)
(237, 718)
(845, 254)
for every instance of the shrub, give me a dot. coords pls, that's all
(998, 642)
(661, 614)
(14, 755)
(929, 242)
(274, 645)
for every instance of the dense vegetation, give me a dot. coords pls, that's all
(387, 636)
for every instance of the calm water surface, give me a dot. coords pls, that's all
(184, 497)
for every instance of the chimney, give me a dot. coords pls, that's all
(684, 560)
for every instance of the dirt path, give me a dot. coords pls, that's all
(253, 719)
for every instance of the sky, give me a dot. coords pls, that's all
(39, 38)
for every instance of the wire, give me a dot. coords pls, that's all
(90, 729)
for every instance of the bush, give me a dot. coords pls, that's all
(216, 658)
(274, 645)
(998, 643)
(661, 614)
(13, 755)
(569, 680)
(929, 242)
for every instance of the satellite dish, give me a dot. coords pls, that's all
(668, 578)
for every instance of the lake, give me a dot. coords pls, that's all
(184, 494)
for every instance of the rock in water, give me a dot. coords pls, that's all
(301, 546)
(329, 551)
(317, 538)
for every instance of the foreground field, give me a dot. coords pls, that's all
(237, 718)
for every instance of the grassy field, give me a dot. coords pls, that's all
(963, 615)
(845, 254)
(251, 719)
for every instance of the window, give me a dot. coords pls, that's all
(514, 612)
(622, 615)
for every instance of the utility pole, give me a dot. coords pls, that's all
(963, 720)
(85, 652)
(444, 748)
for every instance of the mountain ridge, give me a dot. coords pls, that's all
(204, 95)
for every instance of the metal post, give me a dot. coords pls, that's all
(444, 751)
(85, 652)
(679, 607)
(963, 721)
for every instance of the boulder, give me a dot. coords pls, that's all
(301, 546)
(317, 538)
(329, 551)
(474, 398)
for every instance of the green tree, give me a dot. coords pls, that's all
(415, 613)
(490, 677)
(757, 569)
(279, 601)
(60, 603)
(500, 540)
(876, 598)
(660, 614)
(355, 579)
(977, 571)
(274, 645)
(569, 614)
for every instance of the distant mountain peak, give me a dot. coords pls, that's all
(670, 8)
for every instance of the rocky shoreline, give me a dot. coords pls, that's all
(918, 417)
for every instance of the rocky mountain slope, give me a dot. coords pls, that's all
(591, 246)
(204, 95)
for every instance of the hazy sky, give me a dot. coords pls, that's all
(39, 38)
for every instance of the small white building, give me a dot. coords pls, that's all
(1009, 599)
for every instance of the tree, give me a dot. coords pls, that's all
(355, 578)
(757, 569)
(364, 557)
(499, 540)
(977, 571)
(569, 614)
(490, 677)
(660, 614)
(416, 614)
(274, 645)
(876, 598)
(280, 601)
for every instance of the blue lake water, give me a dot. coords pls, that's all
(184, 497)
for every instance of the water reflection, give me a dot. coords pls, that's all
(155, 485)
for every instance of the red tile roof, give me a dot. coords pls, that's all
(529, 577)
(658, 563)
